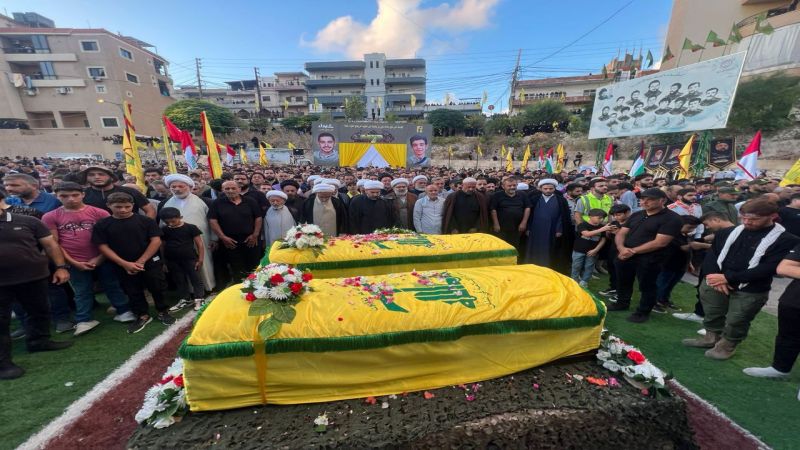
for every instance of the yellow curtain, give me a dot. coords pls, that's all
(394, 154)
(351, 152)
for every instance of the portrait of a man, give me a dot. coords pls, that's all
(326, 154)
(419, 151)
(711, 97)
(653, 89)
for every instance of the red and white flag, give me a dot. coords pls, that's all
(189, 150)
(608, 160)
(748, 162)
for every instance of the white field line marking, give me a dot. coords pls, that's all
(77, 409)
(713, 410)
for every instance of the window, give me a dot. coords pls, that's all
(100, 88)
(40, 43)
(132, 78)
(47, 70)
(377, 66)
(74, 119)
(378, 82)
(96, 72)
(163, 88)
(109, 122)
(265, 98)
(371, 82)
(370, 64)
(299, 99)
(125, 53)
(90, 46)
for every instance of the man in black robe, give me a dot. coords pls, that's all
(370, 212)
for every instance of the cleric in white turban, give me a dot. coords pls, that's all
(278, 219)
(397, 181)
(547, 181)
(322, 187)
(171, 178)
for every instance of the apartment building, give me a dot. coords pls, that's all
(775, 52)
(384, 85)
(63, 88)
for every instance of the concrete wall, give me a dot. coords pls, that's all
(40, 142)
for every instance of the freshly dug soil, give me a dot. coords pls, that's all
(561, 412)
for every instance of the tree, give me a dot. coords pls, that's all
(498, 124)
(391, 117)
(185, 114)
(446, 122)
(355, 108)
(300, 124)
(540, 117)
(475, 124)
(259, 124)
(764, 103)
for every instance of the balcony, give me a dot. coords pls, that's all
(333, 99)
(335, 65)
(336, 82)
(411, 62)
(40, 57)
(777, 17)
(569, 100)
(405, 80)
(59, 82)
(281, 87)
(404, 98)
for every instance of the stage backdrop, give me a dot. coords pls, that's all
(376, 144)
(692, 97)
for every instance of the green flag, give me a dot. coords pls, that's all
(714, 39)
(735, 37)
(762, 26)
(604, 71)
(689, 45)
(649, 59)
(667, 55)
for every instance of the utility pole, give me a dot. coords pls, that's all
(197, 66)
(514, 83)
(258, 93)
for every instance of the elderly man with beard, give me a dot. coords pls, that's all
(101, 184)
(278, 219)
(326, 211)
(370, 212)
(428, 211)
(403, 203)
(246, 191)
(194, 211)
(551, 233)
(237, 221)
(294, 202)
(509, 211)
(466, 210)
(419, 182)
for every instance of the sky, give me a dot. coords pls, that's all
(470, 46)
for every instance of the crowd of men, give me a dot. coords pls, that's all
(70, 226)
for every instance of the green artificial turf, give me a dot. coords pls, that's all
(767, 408)
(31, 402)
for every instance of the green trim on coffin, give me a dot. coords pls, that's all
(400, 260)
(382, 340)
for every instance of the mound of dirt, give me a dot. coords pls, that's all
(545, 407)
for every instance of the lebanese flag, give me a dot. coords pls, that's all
(189, 150)
(608, 160)
(175, 133)
(748, 162)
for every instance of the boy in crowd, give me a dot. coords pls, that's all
(131, 241)
(183, 249)
(619, 214)
(675, 264)
(588, 243)
(71, 226)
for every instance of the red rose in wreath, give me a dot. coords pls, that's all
(276, 279)
(296, 288)
(636, 357)
(307, 277)
(178, 381)
(250, 297)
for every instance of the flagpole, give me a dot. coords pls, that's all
(701, 53)
(678, 63)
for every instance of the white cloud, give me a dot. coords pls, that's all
(400, 27)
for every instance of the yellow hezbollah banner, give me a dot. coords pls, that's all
(388, 334)
(379, 254)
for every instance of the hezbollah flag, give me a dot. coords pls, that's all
(503, 151)
(133, 163)
(243, 156)
(262, 154)
(560, 155)
(168, 149)
(793, 175)
(214, 164)
(685, 160)
(525, 158)
(509, 161)
(479, 151)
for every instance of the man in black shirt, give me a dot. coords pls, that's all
(101, 185)
(245, 190)
(237, 221)
(510, 212)
(641, 243)
(790, 215)
(370, 212)
(465, 211)
(787, 342)
(739, 268)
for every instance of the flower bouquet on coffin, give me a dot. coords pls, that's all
(273, 291)
(165, 402)
(619, 357)
(305, 236)
(394, 230)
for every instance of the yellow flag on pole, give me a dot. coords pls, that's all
(413, 100)
(243, 156)
(560, 155)
(509, 161)
(285, 104)
(503, 151)
(214, 163)
(522, 94)
(316, 104)
(479, 151)
(525, 157)
(262, 155)
(168, 150)
(685, 160)
(792, 176)
(130, 148)
(450, 150)
(291, 146)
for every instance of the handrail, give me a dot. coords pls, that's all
(789, 7)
